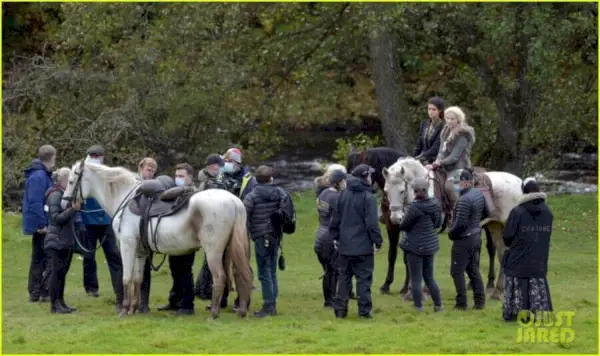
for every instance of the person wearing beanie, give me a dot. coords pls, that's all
(527, 235)
(422, 218)
(324, 248)
(98, 228)
(355, 227)
(428, 144)
(465, 234)
(208, 176)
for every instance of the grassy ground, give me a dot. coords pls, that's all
(303, 325)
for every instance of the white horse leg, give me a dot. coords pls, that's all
(138, 275)
(215, 264)
(128, 258)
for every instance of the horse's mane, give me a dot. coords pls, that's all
(376, 157)
(113, 177)
(410, 165)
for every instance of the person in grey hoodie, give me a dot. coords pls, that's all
(422, 218)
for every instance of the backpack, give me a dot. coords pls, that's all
(288, 214)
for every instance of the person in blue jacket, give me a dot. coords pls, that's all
(38, 179)
(98, 227)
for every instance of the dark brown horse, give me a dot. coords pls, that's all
(383, 157)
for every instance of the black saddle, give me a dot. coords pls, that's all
(158, 198)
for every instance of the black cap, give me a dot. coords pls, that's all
(337, 176)
(462, 175)
(95, 150)
(362, 171)
(530, 186)
(215, 159)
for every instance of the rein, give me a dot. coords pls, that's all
(120, 208)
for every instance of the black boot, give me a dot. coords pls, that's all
(62, 302)
(266, 310)
(58, 308)
(182, 311)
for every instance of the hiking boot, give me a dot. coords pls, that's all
(419, 309)
(34, 298)
(265, 311)
(93, 293)
(438, 309)
(58, 308)
(167, 307)
(182, 311)
(62, 302)
(365, 316)
(460, 308)
(142, 309)
(341, 314)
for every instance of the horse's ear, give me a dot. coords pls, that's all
(385, 172)
(402, 171)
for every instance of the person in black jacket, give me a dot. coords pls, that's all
(422, 218)
(428, 145)
(527, 234)
(324, 247)
(466, 236)
(355, 226)
(60, 241)
(262, 203)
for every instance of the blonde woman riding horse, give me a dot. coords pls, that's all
(457, 140)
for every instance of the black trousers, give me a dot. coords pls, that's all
(95, 233)
(327, 256)
(421, 268)
(145, 287)
(360, 267)
(465, 258)
(182, 292)
(39, 268)
(60, 261)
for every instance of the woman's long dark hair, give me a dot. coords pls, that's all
(439, 104)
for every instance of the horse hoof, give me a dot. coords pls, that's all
(123, 313)
(403, 291)
(243, 314)
(385, 289)
(495, 295)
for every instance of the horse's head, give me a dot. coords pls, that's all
(398, 178)
(78, 187)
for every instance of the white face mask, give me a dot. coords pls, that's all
(94, 160)
(229, 167)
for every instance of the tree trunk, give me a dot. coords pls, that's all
(389, 84)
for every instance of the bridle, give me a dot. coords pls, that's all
(77, 189)
(405, 201)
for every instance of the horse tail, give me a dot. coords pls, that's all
(238, 250)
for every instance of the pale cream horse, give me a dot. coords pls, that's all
(506, 191)
(214, 220)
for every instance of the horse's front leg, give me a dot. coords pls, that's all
(393, 238)
(491, 249)
(128, 259)
(138, 275)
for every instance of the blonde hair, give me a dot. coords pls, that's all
(62, 173)
(460, 115)
(148, 161)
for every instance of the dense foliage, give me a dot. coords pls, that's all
(180, 80)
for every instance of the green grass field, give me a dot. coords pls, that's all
(303, 325)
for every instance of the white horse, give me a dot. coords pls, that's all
(213, 219)
(506, 190)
